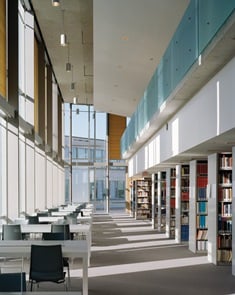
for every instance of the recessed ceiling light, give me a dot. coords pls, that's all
(125, 38)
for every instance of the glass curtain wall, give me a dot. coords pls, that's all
(88, 178)
(85, 154)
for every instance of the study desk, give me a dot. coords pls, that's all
(71, 249)
(46, 228)
(50, 219)
(80, 229)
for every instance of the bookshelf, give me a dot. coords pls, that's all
(224, 238)
(160, 200)
(172, 202)
(201, 207)
(155, 186)
(143, 198)
(184, 187)
(132, 197)
(163, 200)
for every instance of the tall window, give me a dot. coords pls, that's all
(86, 155)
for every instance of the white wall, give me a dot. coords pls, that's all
(208, 114)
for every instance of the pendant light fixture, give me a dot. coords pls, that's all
(68, 64)
(75, 100)
(72, 86)
(63, 37)
(55, 3)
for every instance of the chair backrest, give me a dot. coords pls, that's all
(53, 236)
(33, 219)
(71, 218)
(61, 228)
(12, 282)
(46, 263)
(11, 232)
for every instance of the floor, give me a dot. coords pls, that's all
(129, 257)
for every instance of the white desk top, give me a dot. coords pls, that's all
(72, 249)
(43, 228)
(22, 248)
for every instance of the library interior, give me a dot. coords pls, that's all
(117, 147)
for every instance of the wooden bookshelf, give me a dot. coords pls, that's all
(143, 198)
(224, 235)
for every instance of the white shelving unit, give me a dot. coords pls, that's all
(198, 207)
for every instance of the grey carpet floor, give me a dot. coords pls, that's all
(130, 258)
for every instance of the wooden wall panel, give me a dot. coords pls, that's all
(3, 48)
(116, 127)
(49, 106)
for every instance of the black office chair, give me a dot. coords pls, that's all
(46, 265)
(13, 282)
(11, 232)
(60, 232)
(61, 228)
(71, 218)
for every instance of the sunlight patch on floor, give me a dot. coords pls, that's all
(142, 266)
(133, 245)
(141, 237)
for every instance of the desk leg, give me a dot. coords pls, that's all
(89, 248)
(85, 276)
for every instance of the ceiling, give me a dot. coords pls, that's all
(114, 47)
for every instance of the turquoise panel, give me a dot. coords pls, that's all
(185, 44)
(150, 95)
(212, 15)
(164, 76)
(199, 25)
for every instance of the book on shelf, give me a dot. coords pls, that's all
(226, 161)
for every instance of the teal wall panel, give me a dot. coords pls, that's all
(212, 15)
(199, 25)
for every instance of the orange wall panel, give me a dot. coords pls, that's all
(116, 127)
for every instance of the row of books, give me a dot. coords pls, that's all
(224, 225)
(202, 234)
(201, 221)
(226, 161)
(185, 170)
(143, 200)
(144, 183)
(143, 205)
(185, 206)
(184, 219)
(202, 245)
(224, 256)
(225, 209)
(225, 177)
(224, 241)
(225, 194)
(201, 207)
(201, 193)
(202, 168)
